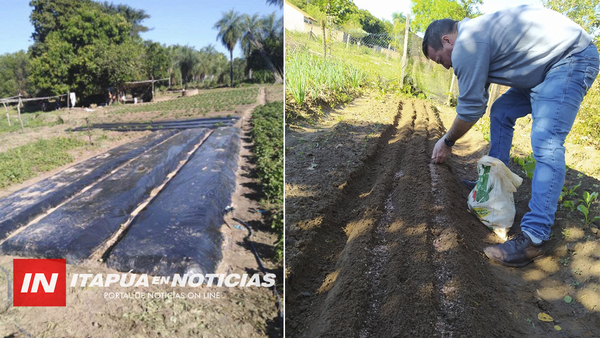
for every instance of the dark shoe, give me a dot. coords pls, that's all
(518, 251)
(469, 184)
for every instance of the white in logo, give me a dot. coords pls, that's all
(39, 279)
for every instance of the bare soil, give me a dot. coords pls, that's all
(379, 242)
(237, 312)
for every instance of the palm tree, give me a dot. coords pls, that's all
(250, 24)
(252, 28)
(276, 3)
(272, 27)
(229, 33)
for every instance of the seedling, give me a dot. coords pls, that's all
(569, 193)
(564, 261)
(569, 204)
(530, 322)
(588, 198)
(585, 211)
(528, 164)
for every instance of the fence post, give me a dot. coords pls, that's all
(7, 117)
(19, 112)
(493, 91)
(405, 52)
(451, 89)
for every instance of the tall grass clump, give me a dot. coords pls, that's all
(312, 80)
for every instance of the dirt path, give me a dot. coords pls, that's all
(389, 249)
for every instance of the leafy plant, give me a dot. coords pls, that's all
(585, 211)
(527, 163)
(588, 198)
(569, 193)
(569, 204)
(584, 208)
(267, 135)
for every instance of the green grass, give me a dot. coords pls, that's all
(267, 135)
(204, 102)
(309, 78)
(586, 129)
(24, 162)
(30, 120)
(371, 62)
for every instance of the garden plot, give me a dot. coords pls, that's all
(379, 242)
(180, 231)
(166, 125)
(92, 218)
(22, 206)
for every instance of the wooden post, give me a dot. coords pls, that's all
(493, 95)
(87, 121)
(324, 40)
(7, 117)
(152, 89)
(405, 52)
(68, 100)
(19, 112)
(449, 101)
(347, 39)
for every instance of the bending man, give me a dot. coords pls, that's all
(549, 63)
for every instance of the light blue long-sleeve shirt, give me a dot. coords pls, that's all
(513, 47)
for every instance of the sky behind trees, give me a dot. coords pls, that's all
(183, 22)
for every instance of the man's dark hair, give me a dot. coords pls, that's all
(434, 33)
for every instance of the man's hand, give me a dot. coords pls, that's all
(440, 151)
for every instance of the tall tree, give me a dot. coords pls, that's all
(272, 26)
(427, 11)
(399, 23)
(49, 16)
(156, 60)
(186, 59)
(330, 12)
(229, 34)
(14, 70)
(132, 15)
(276, 3)
(70, 51)
(256, 31)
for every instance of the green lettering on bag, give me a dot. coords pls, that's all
(483, 192)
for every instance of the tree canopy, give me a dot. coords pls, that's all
(93, 47)
(14, 71)
(427, 11)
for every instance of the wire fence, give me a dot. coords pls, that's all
(379, 55)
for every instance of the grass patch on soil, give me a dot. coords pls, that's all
(30, 120)
(202, 103)
(267, 135)
(24, 162)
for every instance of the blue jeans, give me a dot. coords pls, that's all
(553, 105)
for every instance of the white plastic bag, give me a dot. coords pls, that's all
(492, 198)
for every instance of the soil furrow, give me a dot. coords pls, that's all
(380, 251)
(345, 238)
(397, 254)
